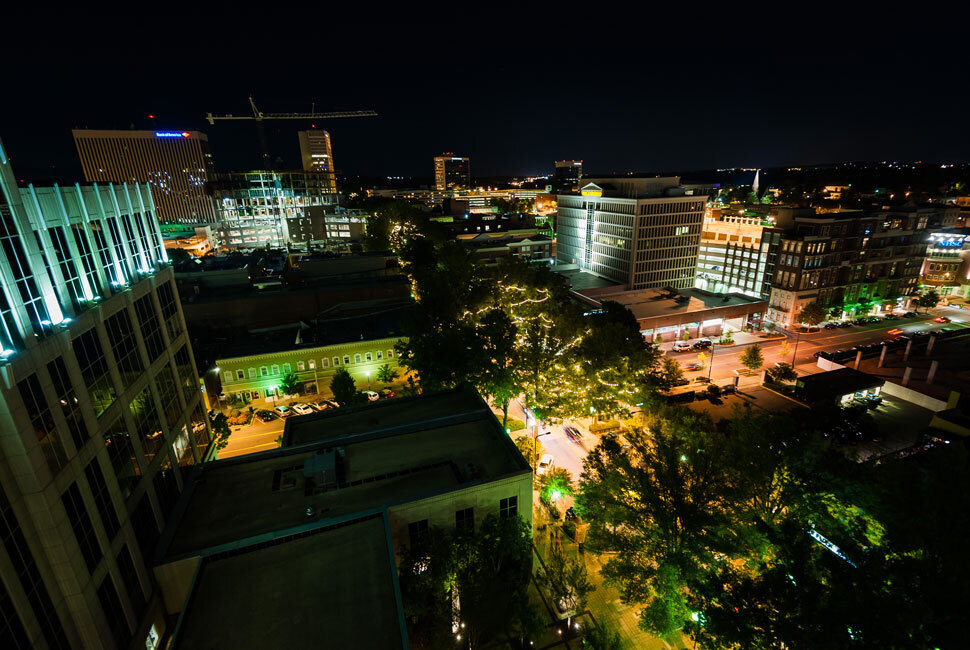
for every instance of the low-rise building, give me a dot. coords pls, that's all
(946, 267)
(528, 245)
(313, 531)
(253, 366)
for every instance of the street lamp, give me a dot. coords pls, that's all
(367, 374)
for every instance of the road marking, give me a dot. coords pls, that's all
(227, 450)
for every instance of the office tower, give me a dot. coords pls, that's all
(737, 255)
(100, 411)
(260, 208)
(641, 232)
(174, 164)
(451, 172)
(567, 174)
(316, 154)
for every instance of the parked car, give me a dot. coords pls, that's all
(319, 406)
(831, 326)
(266, 416)
(942, 319)
(681, 346)
(680, 382)
(918, 333)
(332, 404)
(702, 344)
(371, 395)
(544, 464)
(821, 354)
(909, 314)
(846, 323)
(891, 316)
(302, 409)
(387, 393)
(283, 411)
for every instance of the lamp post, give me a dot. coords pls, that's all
(794, 354)
(710, 371)
(367, 374)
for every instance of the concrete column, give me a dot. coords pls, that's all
(909, 346)
(929, 346)
(933, 367)
(858, 359)
(882, 356)
(906, 374)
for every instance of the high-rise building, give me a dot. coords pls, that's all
(452, 172)
(737, 255)
(100, 412)
(317, 155)
(275, 208)
(567, 175)
(642, 232)
(175, 165)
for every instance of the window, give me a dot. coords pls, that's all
(252, 373)
(368, 357)
(287, 368)
(147, 425)
(356, 358)
(94, 370)
(121, 454)
(240, 375)
(12, 633)
(170, 310)
(81, 525)
(299, 365)
(254, 394)
(390, 354)
(346, 359)
(102, 498)
(129, 577)
(183, 448)
(67, 264)
(26, 571)
(418, 533)
(465, 520)
(380, 355)
(200, 428)
(87, 259)
(312, 364)
(336, 361)
(276, 369)
(227, 377)
(145, 526)
(113, 613)
(23, 275)
(150, 327)
(124, 346)
(168, 394)
(166, 487)
(42, 422)
(508, 507)
(186, 374)
(263, 371)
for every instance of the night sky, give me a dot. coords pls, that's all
(512, 96)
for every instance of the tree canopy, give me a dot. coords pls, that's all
(812, 314)
(342, 386)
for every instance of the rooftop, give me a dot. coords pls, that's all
(385, 453)
(653, 303)
(332, 586)
(836, 383)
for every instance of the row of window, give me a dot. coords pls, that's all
(301, 366)
(418, 531)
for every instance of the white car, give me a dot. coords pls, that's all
(544, 464)
(371, 395)
(283, 411)
(681, 346)
(302, 409)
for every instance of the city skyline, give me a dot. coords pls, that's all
(690, 108)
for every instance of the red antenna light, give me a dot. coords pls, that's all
(150, 116)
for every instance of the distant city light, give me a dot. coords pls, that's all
(171, 134)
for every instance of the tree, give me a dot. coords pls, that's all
(785, 348)
(178, 255)
(670, 372)
(783, 372)
(221, 431)
(812, 314)
(555, 484)
(597, 637)
(751, 358)
(290, 385)
(662, 508)
(567, 582)
(343, 388)
(386, 374)
(928, 300)
(531, 449)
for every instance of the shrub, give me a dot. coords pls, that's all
(601, 427)
(515, 425)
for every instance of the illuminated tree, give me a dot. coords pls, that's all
(812, 314)
(928, 300)
(386, 374)
(343, 388)
(567, 582)
(290, 385)
(531, 449)
(752, 358)
(221, 431)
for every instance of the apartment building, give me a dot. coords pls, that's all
(642, 232)
(859, 259)
(737, 256)
(100, 413)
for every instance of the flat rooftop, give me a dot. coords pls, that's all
(579, 280)
(660, 303)
(387, 452)
(331, 587)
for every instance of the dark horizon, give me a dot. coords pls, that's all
(512, 110)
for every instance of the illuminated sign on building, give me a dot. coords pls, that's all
(950, 243)
(171, 134)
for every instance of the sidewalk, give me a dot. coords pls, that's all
(741, 339)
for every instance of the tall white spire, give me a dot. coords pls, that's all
(754, 186)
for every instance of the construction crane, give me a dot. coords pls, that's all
(259, 116)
